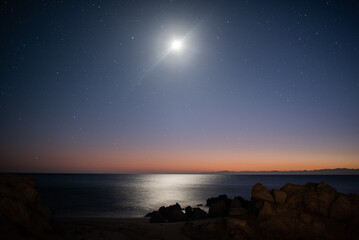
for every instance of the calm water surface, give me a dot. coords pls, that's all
(133, 195)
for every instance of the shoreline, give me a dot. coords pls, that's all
(310, 211)
(97, 228)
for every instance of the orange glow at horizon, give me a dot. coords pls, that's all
(182, 161)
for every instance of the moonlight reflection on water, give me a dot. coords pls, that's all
(134, 195)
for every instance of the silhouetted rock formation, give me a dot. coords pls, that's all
(195, 213)
(312, 211)
(22, 216)
(219, 206)
(172, 213)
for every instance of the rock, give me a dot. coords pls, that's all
(189, 212)
(150, 214)
(355, 204)
(220, 198)
(218, 209)
(317, 198)
(171, 213)
(317, 228)
(239, 223)
(291, 188)
(267, 211)
(199, 214)
(259, 192)
(157, 217)
(295, 199)
(310, 200)
(14, 211)
(219, 206)
(243, 202)
(176, 215)
(236, 208)
(163, 211)
(238, 212)
(279, 196)
(326, 195)
(236, 203)
(282, 224)
(21, 211)
(294, 212)
(285, 210)
(341, 208)
(306, 218)
(258, 204)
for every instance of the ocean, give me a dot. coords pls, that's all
(134, 195)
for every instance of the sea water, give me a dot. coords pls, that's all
(134, 195)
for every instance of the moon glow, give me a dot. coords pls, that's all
(176, 45)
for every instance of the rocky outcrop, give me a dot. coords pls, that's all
(259, 192)
(221, 206)
(21, 213)
(312, 211)
(279, 196)
(195, 213)
(172, 213)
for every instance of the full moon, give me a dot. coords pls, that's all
(176, 45)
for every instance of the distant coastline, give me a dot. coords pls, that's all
(336, 171)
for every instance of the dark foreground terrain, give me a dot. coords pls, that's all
(312, 211)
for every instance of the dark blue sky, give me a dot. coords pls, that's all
(274, 77)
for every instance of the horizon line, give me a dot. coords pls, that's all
(332, 170)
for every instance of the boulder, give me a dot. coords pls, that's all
(326, 195)
(285, 210)
(317, 228)
(341, 208)
(238, 212)
(171, 213)
(163, 211)
(282, 224)
(291, 188)
(236, 203)
(306, 218)
(279, 196)
(242, 202)
(220, 198)
(267, 211)
(310, 200)
(295, 199)
(21, 211)
(243, 225)
(219, 206)
(218, 209)
(259, 192)
(199, 214)
(312, 211)
(150, 214)
(175, 214)
(188, 212)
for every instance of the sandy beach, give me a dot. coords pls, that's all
(119, 228)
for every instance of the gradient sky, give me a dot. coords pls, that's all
(92, 86)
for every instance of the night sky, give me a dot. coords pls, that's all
(96, 86)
